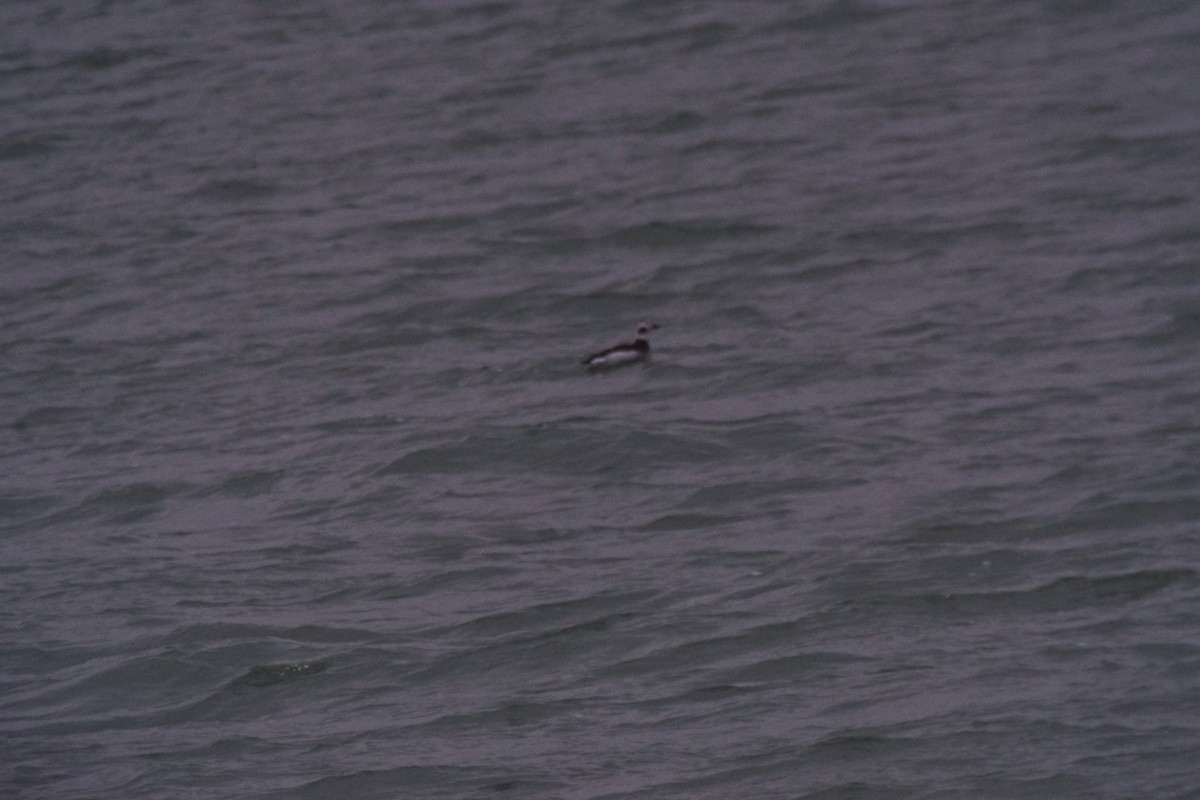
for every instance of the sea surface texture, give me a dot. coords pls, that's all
(306, 493)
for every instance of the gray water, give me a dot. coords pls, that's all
(307, 495)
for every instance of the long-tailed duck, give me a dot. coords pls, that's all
(624, 353)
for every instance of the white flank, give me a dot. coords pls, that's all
(614, 358)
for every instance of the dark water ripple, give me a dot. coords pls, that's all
(308, 496)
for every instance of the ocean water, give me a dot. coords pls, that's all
(307, 495)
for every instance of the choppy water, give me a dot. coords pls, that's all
(306, 495)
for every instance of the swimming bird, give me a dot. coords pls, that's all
(624, 353)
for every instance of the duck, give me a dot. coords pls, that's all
(624, 353)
